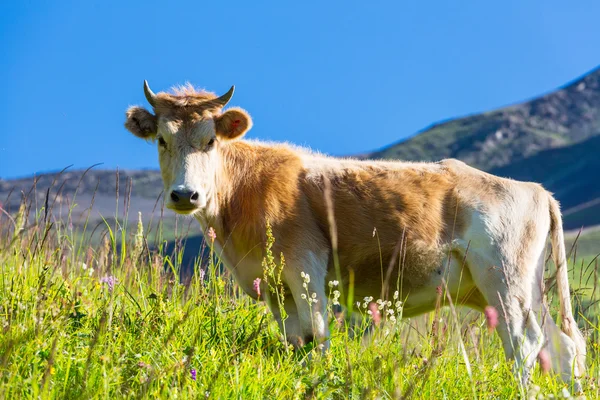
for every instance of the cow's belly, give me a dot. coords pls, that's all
(452, 275)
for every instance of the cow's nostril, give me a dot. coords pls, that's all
(174, 197)
(194, 196)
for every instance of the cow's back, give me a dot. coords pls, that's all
(410, 212)
(406, 211)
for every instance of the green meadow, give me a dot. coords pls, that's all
(107, 318)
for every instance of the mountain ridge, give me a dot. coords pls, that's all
(498, 137)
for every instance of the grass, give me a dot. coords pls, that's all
(82, 320)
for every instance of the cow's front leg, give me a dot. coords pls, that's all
(308, 291)
(287, 317)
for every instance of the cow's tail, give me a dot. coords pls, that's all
(568, 324)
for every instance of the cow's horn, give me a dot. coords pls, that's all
(150, 96)
(223, 100)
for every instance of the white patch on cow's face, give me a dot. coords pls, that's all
(188, 163)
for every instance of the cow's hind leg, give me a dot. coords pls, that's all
(521, 335)
(559, 347)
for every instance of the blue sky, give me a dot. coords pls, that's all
(341, 77)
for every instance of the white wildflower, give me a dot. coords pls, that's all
(336, 297)
(303, 296)
(396, 294)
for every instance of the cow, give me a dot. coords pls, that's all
(480, 237)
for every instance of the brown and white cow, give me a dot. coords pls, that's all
(481, 236)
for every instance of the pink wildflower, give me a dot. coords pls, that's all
(110, 281)
(142, 364)
(339, 319)
(256, 286)
(491, 318)
(212, 235)
(375, 313)
(544, 359)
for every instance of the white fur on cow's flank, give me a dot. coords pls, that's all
(481, 235)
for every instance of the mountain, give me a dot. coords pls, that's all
(572, 173)
(77, 190)
(498, 138)
(553, 139)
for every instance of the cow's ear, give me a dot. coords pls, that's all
(233, 123)
(141, 122)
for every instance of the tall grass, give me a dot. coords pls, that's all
(85, 318)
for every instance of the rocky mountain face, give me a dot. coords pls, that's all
(498, 138)
(572, 173)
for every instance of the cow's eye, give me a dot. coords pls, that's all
(161, 142)
(210, 143)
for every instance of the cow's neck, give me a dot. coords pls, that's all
(244, 199)
(232, 208)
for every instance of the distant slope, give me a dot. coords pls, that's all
(498, 138)
(572, 173)
(78, 189)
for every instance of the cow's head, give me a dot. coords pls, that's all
(188, 127)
